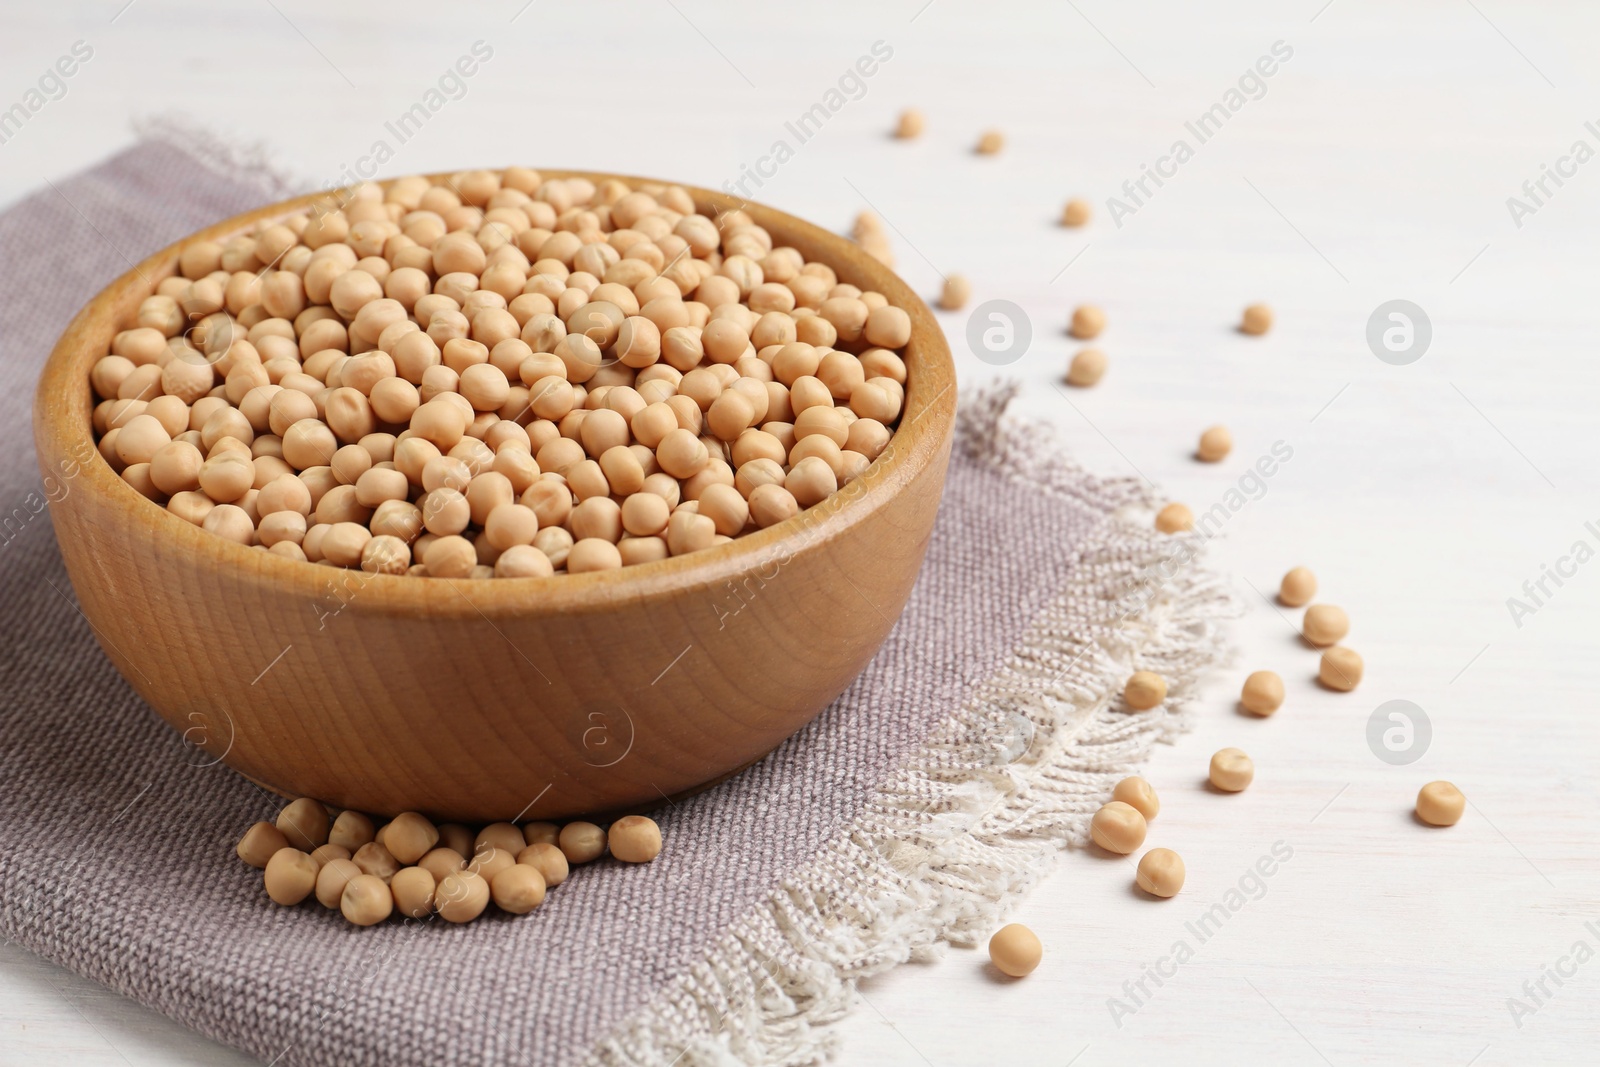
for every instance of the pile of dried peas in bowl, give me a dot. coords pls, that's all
(499, 375)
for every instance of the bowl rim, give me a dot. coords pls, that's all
(64, 402)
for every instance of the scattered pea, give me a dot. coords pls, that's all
(1341, 669)
(461, 897)
(366, 900)
(304, 823)
(910, 125)
(375, 860)
(1088, 366)
(1231, 770)
(412, 889)
(518, 889)
(549, 860)
(1175, 518)
(1257, 320)
(409, 837)
(1015, 950)
(1440, 804)
(956, 292)
(331, 880)
(442, 861)
(1144, 690)
(489, 861)
(351, 830)
(1139, 795)
(1117, 827)
(507, 837)
(1324, 625)
(1215, 444)
(1299, 585)
(1262, 694)
(634, 839)
(290, 876)
(990, 142)
(1076, 212)
(582, 842)
(260, 843)
(1160, 872)
(1087, 322)
(875, 244)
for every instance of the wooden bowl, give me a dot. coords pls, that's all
(481, 700)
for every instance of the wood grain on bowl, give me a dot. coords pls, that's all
(486, 700)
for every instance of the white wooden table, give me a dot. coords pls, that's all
(1376, 164)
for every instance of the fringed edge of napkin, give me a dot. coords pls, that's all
(977, 817)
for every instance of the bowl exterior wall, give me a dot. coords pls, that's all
(536, 714)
